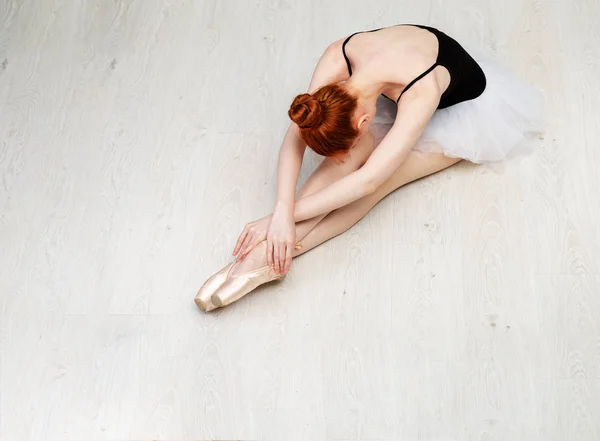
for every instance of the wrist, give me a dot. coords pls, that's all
(284, 205)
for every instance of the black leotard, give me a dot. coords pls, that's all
(467, 80)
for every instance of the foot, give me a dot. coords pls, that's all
(214, 282)
(240, 283)
(256, 258)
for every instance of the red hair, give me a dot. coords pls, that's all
(325, 120)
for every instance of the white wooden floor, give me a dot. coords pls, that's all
(138, 137)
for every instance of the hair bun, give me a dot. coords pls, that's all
(306, 111)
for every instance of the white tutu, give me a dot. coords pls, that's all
(495, 125)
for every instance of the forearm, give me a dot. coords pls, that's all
(288, 168)
(381, 164)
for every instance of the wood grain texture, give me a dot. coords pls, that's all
(138, 137)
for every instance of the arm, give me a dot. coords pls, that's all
(330, 68)
(414, 112)
(279, 228)
(291, 154)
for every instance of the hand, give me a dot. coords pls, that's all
(252, 234)
(281, 239)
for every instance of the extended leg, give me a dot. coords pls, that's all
(326, 173)
(415, 166)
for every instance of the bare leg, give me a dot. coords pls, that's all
(326, 173)
(317, 230)
(415, 166)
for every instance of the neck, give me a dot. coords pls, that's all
(364, 88)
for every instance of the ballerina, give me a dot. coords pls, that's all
(450, 106)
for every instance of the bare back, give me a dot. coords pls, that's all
(395, 56)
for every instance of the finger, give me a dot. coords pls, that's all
(250, 244)
(276, 256)
(281, 257)
(240, 240)
(240, 255)
(269, 252)
(288, 258)
(244, 248)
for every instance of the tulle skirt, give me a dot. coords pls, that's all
(500, 123)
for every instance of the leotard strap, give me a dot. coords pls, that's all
(417, 79)
(344, 52)
(346, 42)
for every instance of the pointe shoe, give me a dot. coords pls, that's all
(236, 287)
(211, 285)
(207, 296)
